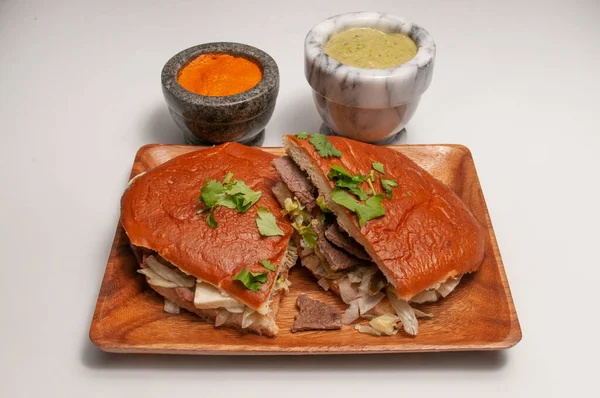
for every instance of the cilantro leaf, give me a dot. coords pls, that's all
(267, 226)
(338, 172)
(251, 280)
(210, 219)
(242, 195)
(387, 186)
(343, 198)
(323, 146)
(378, 167)
(211, 192)
(267, 264)
(236, 195)
(302, 136)
(372, 208)
(346, 180)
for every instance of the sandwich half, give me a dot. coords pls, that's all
(210, 238)
(376, 228)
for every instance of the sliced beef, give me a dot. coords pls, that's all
(342, 240)
(281, 192)
(336, 258)
(315, 315)
(296, 180)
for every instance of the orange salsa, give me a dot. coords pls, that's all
(219, 75)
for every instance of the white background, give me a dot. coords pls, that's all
(517, 82)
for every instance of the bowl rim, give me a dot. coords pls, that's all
(425, 44)
(268, 82)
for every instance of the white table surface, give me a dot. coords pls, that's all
(517, 82)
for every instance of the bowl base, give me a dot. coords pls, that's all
(393, 139)
(256, 140)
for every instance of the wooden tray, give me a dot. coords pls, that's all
(478, 315)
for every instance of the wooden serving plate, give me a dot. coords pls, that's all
(478, 315)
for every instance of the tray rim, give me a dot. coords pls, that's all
(513, 337)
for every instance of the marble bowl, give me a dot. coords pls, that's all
(215, 120)
(370, 105)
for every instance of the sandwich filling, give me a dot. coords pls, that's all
(169, 280)
(341, 264)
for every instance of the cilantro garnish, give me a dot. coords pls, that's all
(236, 195)
(378, 167)
(267, 264)
(323, 146)
(387, 186)
(343, 179)
(211, 220)
(302, 136)
(251, 280)
(370, 209)
(267, 226)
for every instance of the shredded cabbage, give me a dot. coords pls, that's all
(354, 277)
(368, 329)
(324, 283)
(351, 314)
(249, 317)
(221, 318)
(170, 274)
(386, 324)
(347, 292)
(171, 307)
(283, 284)
(426, 296)
(436, 292)
(447, 287)
(367, 303)
(156, 280)
(405, 313)
(421, 314)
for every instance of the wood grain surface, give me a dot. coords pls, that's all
(478, 315)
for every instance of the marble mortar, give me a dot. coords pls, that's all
(369, 105)
(215, 120)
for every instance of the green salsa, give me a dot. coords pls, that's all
(370, 48)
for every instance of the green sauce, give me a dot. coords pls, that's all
(370, 48)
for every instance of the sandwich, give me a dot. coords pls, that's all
(210, 238)
(376, 229)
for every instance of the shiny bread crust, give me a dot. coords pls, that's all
(427, 234)
(159, 212)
